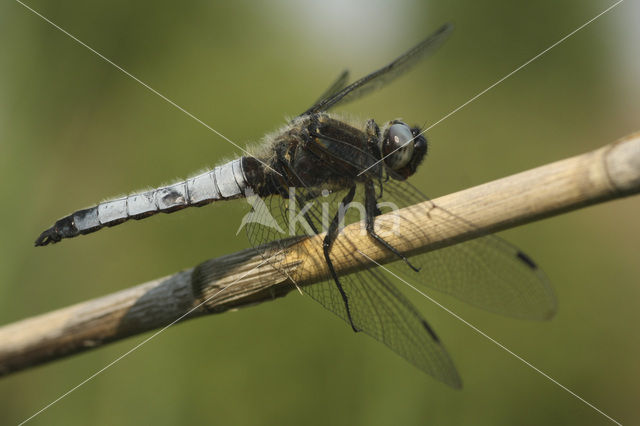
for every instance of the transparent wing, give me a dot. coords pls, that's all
(386, 74)
(337, 85)
(377, 308)
(487, 272)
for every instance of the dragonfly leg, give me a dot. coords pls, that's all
(332, 234)
(372, 211)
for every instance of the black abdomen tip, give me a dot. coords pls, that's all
(64, 228)
(50, 236)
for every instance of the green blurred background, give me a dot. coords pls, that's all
(75, 130)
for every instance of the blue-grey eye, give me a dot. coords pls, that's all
(398, 146)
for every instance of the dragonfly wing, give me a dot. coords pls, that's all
(378, 309)
(487, 272)
(337, 85)
(386, 74)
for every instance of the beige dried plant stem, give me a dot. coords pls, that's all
(610, 172)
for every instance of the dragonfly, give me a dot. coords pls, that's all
(318, 166)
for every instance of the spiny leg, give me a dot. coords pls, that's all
(372, 211)
(332, 234)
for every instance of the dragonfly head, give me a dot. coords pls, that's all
(403, 148)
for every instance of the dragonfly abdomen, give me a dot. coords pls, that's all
(222, 183)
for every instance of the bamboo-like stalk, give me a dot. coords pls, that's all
(243, 278)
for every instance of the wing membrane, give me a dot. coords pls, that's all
(337, 85)
(386, 74)
(381, 311)
(487, 272)
(377, 308)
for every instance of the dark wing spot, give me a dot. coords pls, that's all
(526, 259)
(430, 330)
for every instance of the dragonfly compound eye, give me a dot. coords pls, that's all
(397, 146)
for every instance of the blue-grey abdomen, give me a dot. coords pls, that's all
(224, 182)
